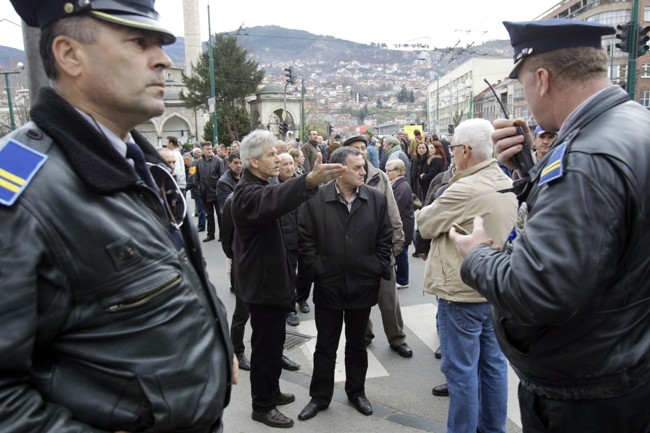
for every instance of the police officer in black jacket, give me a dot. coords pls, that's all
(109, 321)
(570, 287)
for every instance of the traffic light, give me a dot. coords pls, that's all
(642, 41)
(289, 75)
(329, 129)
(284, 127)
(451, 128)
(623, 34)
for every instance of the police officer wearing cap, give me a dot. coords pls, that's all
(109, 321)
(571, 292)
(542, 143)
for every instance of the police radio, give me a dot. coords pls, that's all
(523, 160)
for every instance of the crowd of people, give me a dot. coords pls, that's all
(110, 321)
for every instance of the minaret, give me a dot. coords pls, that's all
(192, 27)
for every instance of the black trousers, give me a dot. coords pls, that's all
(625, 414)
(211, 207)
(267, 341)
(293, 263)
(329, 324)
(238, 325)
(303, 282)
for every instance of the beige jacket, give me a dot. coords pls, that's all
(472, 192)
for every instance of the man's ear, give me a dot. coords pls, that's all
(69, 55)
(253, 162)
(542, 81)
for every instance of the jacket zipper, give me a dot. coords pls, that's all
(146, 297)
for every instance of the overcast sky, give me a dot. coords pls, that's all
(434, 22)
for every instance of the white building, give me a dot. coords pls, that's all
(450, 98)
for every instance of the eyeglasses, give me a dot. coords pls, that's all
(452, 147)
(170, 195)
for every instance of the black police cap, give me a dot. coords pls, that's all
(139, 14)
(536, 37)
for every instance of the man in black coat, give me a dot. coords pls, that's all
(208, 171)
(346, 241)
(262, 277)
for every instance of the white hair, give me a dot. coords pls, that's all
(477, 134)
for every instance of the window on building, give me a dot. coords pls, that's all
(645, 70)
(646, 13)
(645, 98)
(617, 73)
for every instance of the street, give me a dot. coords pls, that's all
(398, 388)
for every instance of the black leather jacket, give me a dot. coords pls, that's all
(572, 300)
(105, 324)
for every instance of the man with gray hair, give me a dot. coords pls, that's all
(472, 361)
(345, 243)
(393, 150)
(262, 278)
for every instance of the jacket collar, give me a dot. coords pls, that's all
(89, 152)
(250, 177)
(329, 190)
(601, 102)
(472, 170)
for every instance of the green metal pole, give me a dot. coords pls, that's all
(215, 139)
(632, 52)
(11, 111)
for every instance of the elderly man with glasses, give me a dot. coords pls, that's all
(475, 368)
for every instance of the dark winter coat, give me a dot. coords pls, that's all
(262, 274)
(404, 198)
(208, 173)
(348, 252)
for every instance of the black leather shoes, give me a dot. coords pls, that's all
(244, 363)
(208, 238)
(272, 418)
(403, 350)
(304, 307)
(284, 398)
(362, 404)
(288, 364)
(311, 410)
(292, 319)
(438, 353)
(440, 390)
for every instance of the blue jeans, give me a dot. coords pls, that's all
(402, 267)
(200, 209)
(474, 366)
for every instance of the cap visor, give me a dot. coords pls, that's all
(138, 22)
(515, 70)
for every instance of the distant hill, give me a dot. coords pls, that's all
(9, 57)
(273, 45)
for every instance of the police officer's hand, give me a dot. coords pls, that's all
(322, 173)
(466, 243)
(506, 141)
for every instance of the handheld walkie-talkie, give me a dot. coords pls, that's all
(523, 160)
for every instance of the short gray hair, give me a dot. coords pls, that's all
(396, 164)
(252, 146)
(477, 134)
(391, 140)
(340, 155)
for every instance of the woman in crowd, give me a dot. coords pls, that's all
(395, 169)
(299, 160)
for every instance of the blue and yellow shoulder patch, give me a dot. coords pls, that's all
(18, 166)
(554, 169)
